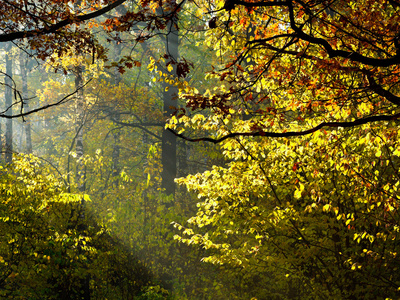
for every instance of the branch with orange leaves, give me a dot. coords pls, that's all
(288, 134)
(52, 28)
(298, 32)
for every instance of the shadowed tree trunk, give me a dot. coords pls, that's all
(170, 95)
(183, 168)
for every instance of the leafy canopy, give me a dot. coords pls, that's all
(306, 116)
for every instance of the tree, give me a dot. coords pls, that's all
(170, 96)
(314, 51)
(23, 65)
(306, 113)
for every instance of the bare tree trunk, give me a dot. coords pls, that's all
(170, 95)
(116, 116)
(8, 102)
(23, 61)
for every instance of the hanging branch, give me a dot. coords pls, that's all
(61, 101)
(52, 28)
(289, 134)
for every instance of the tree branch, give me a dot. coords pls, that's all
(381, 91)
(353, 56)
(260, 4)
(3, 115)
(141, 126)
(53, 28)
(289, 134)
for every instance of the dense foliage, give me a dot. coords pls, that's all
(317, 213)
(50, 250)
(286, 115)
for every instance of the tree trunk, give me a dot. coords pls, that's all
(116, 116)
(8, 101)
(80, 174)
(170, 96)
(183, 168)
(23, 61)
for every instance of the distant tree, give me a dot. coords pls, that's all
(23, 65)
(8, 96)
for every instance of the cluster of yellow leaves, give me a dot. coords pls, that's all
(326, 197)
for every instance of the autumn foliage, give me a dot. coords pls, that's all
(286, 113)
(306, 114)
